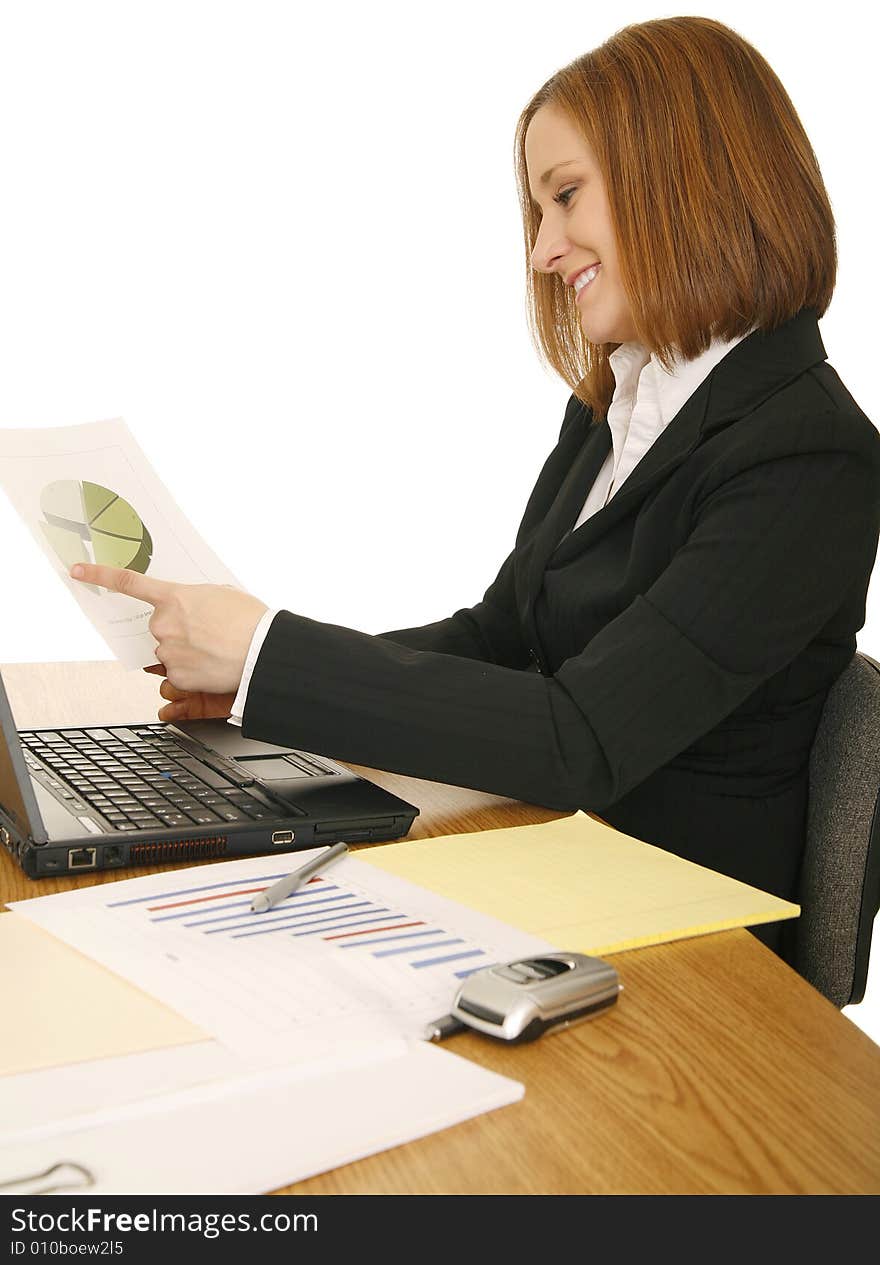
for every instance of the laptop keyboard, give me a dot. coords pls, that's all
(143, 778)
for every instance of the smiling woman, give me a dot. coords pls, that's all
(575, 239)
(691, 568)
(686, 142)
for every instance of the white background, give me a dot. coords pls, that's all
(285, 245)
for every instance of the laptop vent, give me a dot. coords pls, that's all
(177, 850)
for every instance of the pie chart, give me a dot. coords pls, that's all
(85, 522)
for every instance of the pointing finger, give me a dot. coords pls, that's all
(119, 580)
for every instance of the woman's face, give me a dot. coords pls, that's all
(576, 229)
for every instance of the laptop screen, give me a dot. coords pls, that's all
(17, 798)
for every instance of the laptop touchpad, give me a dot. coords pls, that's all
(272, 769)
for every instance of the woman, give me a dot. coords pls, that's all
(691, 569)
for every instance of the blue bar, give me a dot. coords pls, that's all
(416, 948)
(188, 913)
(188, 891)
(291, 918)
(260, 931)
(320, 931)
(453, 957)
(285, 926)
(472, 970)
(240, 904)
(278, 909)
(408, 935)
(288, 917)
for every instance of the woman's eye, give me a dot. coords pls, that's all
(564, 196)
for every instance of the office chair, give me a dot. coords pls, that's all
(840, 878)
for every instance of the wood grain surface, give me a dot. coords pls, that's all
(720, 1071)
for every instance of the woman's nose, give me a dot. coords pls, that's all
(547, 252)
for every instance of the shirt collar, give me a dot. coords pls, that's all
(640, 378)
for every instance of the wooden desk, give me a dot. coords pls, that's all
(719, 1072)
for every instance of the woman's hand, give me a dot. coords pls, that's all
(204, 631)
(190, 704)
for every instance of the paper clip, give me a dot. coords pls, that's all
(86, 1179)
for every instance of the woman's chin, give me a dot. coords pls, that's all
(600, 331)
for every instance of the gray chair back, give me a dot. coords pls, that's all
(840, 878)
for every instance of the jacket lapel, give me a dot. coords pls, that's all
(755, 368)
(671, 447)
(585, 465)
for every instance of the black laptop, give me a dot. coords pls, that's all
(92, 798)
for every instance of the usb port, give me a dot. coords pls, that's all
(81, 858)
(282, 836)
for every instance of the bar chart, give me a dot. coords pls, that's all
(356, 955)
(324, 910)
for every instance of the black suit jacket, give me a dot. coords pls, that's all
(664, 665)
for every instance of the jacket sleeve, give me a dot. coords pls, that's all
(489, 631)
(774, 550)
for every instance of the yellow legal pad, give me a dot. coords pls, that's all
(581, 885)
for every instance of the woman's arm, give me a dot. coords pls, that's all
(488, 631)
(775, 549)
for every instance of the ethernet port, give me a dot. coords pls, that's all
(81, 858)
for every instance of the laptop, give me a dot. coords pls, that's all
(90, 798)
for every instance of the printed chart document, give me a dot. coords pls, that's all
(354, 955)
(313, 1015)
(88, 494)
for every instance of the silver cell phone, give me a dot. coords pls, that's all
(518, 1001)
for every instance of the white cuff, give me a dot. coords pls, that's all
(250, 663)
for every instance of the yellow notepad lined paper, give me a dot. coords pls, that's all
(580, 884)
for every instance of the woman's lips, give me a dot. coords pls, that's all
(580, 293)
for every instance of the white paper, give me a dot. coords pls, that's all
(42, 1102)
(174, 1076)
(256, 1135)
(355, 955)
(87, 493)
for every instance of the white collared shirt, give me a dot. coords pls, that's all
(646, 398)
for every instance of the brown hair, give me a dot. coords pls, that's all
(704, 160)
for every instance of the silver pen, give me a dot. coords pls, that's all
(285, 886)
